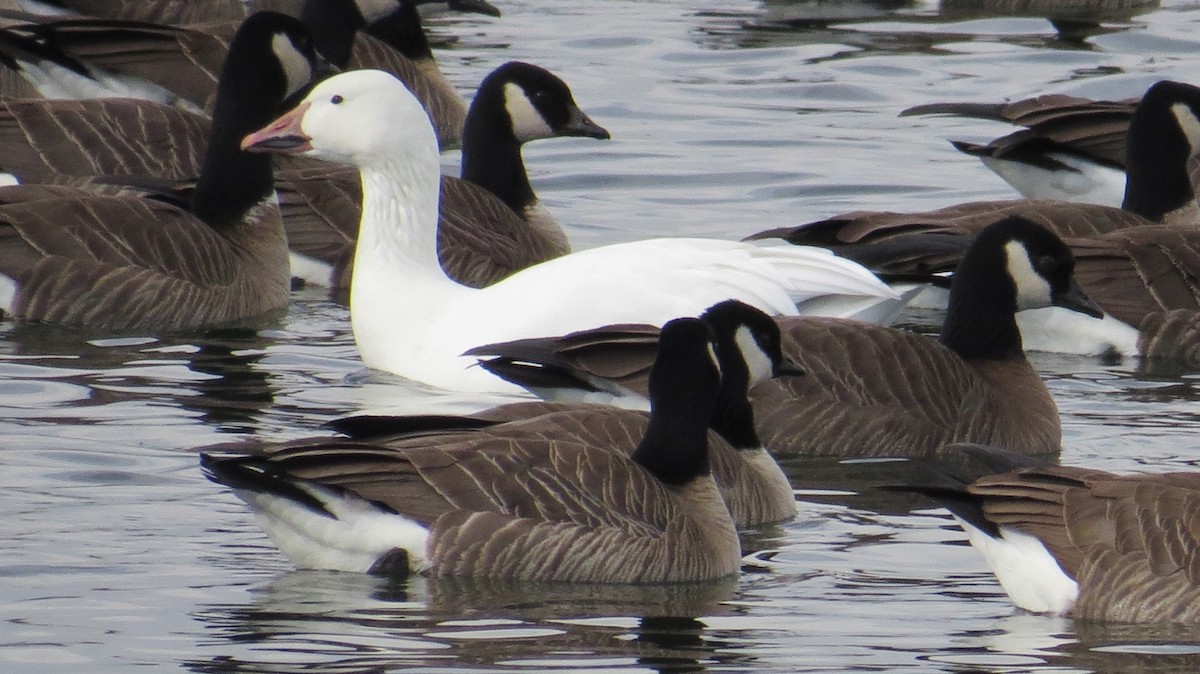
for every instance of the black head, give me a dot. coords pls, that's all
(536, 102)
(1163, 134)
(748, 339)
(1012, 265)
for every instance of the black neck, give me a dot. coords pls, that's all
(674, 449)
(402, 30)
(981, 319)
(1156, 155)
(333, 24)
(232, 181)
(491, 153)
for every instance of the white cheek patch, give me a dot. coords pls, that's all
(757, 361)
(295, 67)
(1033, 292)
(528, 123)
(1188, 124)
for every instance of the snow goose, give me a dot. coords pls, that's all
(1082, 543)
(126, 263)
(409, 318)
(510, 504)
(868, 389)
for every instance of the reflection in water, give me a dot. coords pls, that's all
(913, 27)
(352, 622)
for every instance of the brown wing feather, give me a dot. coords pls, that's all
(43, 138)
(1135, 273)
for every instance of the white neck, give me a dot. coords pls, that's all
(398, 230)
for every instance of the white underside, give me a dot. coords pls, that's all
(1092, 184)
(1058, 330)
(353, 540)
(312, 271)
(1026, 570)
(421, 333)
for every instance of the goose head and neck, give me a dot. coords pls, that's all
(1012, 265)
(517, 103)
(368, 119)
(750, 351)
(1164, 135)
(684, 382)
(270, 58)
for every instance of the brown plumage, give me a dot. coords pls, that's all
(516, 500)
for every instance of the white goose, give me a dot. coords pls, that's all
(409, 318)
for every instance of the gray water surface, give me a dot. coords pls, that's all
(727, 118)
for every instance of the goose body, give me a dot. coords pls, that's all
(128, 263)
(1085, 543)
(510, 504)
(397, 277)
(868, 390)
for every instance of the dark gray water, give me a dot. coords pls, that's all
(727, 118)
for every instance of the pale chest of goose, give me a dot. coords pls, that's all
(518, 504)
(398, 278)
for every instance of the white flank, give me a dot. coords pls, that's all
(1059, 330)
(1026, 570)
(311, 270)
(353, 540)
(1088, 183)
(8, 293)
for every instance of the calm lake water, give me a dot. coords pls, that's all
(727, 118)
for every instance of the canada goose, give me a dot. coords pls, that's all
(124, 263)
(1085, 543)
(747, 344)
(869, 390)
(490, 224)
(178, 65)
(1071, 149)
(644, 281)
(510, 505)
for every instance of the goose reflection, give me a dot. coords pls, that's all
(354, 623)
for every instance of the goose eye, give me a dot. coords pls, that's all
(337, 99)
(1047, 264)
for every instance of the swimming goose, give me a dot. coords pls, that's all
(125, 263)
(510, 505)
(747, 344)
(868, 390)
(178, 65)
(491, 222)
(1085, 543)
(409, 318)
(1071, 149)
(1075, 148)
(490, 225)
